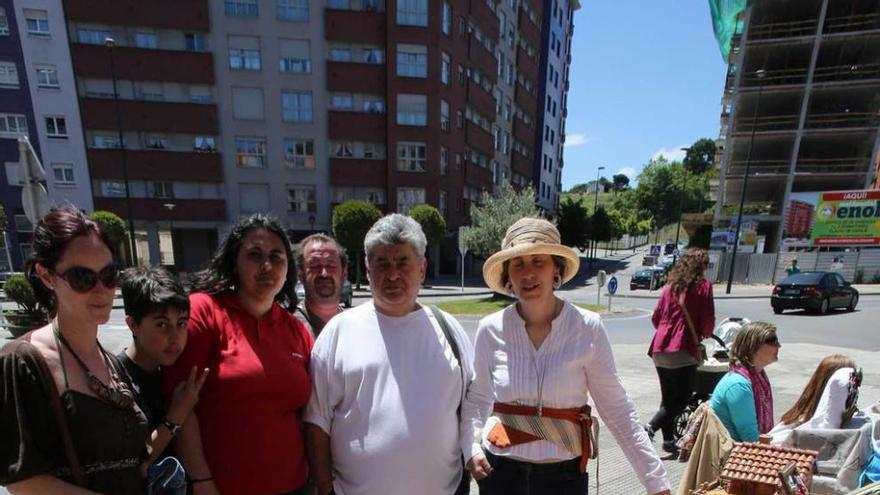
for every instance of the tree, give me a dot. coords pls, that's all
(352, 220)
(700, 156)
(434, 227)
(490, 220)
(111, 224)
(574, 224)
(602, 228)
(620, 182)
(605, 184)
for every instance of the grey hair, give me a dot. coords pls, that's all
(395, 229)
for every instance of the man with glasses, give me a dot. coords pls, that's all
(322, 267)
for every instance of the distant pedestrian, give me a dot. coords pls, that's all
(683, 317)
(793, 268)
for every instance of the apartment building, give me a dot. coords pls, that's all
(800, 107)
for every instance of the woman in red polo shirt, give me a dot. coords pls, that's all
(246, 433)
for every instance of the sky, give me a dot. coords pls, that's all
(646, 78)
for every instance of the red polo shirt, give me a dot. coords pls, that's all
(250, 406)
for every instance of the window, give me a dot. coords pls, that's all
(374, 151)
(200, 94)
(8, 75)
(13, 125)
(250, 152)
(47, 76)
(196, 42)
(340, 4)
(296, 106)
(4, 23)
(151, 91)
(102, 141)
(343, 149)
(443, 204)
(444, 160)
(241, 8)
(460, 74)
(407, 197)
(373, 56)
(162, 189)
(444, 115)
(412, 60)
(37, 22)
(292, 10)
(340, 54)
(446, 19)
(412, 109)
(459, 119)
(295, 56)
(374, 104)
(155, 142)
(247, 103)
(146, 40)
(342, 101)
(301, 199)
(92, 36)
(412, 157)
(412, 12)
(299, 153)
(445, 63)
(63, 174)
(113, 188)
(56, 127)
(253, 198)
(244, 53)
(204, 144)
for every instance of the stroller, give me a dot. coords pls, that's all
(710, 372)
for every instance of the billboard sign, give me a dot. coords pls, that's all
(834, 218)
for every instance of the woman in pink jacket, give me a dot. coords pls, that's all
(684, 316)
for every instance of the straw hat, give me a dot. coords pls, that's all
(529, 236)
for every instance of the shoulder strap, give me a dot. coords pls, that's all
(57, 408)
(444, 325)
(687, 317)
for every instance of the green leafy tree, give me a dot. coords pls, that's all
(602, 228)
(490, 220)
(700, 156)
(574, 224)
(666, 188)
(620, 182)
(434, 227)
(352, 220)
(111, 224)
(579, 188)
(605, 184)
(3, 224)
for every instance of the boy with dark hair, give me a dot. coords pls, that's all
(157, 312)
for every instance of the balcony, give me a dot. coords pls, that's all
(353, 77)
(521, 164)
(480, 139)
(482, 59)
(156, 165)
(526, 65)
(357, 126)
(528, 29)
(523, 132)
(777, 30)
(526, 101)
(162, 14)
(477, 176)
(482, 101)
(485, 17)
(190, 118)
(850, 23)
(196, 210)
(358, 172)
(354, 26)
(142, 64)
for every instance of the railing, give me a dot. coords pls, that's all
(844, 119)
(768, 123)
(846, 72)
(782, 30)
(843, 24)
(737, 168)
(775, 77)
(832, 165)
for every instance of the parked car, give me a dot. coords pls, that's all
(814, 291)
(648, 278)
(345, 297)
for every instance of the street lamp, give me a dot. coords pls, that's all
(596, 208)
(742, 197)
(110, 43)
(170, 208)
(680, 211)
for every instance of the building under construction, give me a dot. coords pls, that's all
(801, 106)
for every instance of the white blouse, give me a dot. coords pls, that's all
(573, 363)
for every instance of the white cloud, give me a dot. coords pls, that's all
(674, 154)
(629, 172)
(577, 139)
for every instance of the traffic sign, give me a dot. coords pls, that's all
(612, 285)
(462, 247)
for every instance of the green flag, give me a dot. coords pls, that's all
(726, 22)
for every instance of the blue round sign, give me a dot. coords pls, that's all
(612, 286)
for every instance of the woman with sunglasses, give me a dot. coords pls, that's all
(743, 400)
(68, 420)
(245, 433)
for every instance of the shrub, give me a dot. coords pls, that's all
(19, 289)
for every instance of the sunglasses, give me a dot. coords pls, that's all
(82, 279)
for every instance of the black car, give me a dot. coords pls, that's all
(649, 278)
(815, 291)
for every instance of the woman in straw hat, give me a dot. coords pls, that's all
(525, 421)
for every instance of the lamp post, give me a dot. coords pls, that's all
(110, 43)
(596, 208)
(680, 211)
(170, 207)
(742, 197)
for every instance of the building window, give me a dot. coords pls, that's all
(373, 56)
(56, 127)
(196, 42)
(162, 189)
(146, 40)
(340, 4)
(459, 119)
(460, 74)
(292, 10)
(408, 197)
(105, 142)
(373, 151)
(92, 36)
(446, 19)
(8, 75)
(340, 54)
(253, 198)
(241, 8)
(244, 53)
(342, 101)
(47, 76)
(13, 125)
(200, 94)
(412, 157)
(250, 152)
(445, 63)
(155, 142)
(63, 174)
(296, 106)
(204, 144)
(412, 12)
(373, 105)
(247, 103)
(295, 57)
(412, 60)
(4, 23)
(343, 149)
(295, 65)
(443, 204)
(113, 188)
(301, 199)
(299, 153)
(412, 110)
(37, 22)
(444, 160)
(444, 115)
